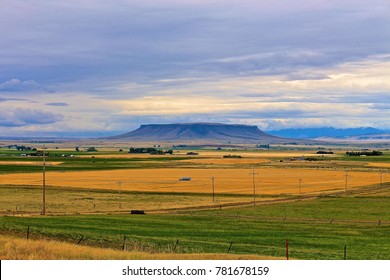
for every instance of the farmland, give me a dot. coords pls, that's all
(60, 200)
(248, 228)
(318, 202)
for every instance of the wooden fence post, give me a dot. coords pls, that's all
(286, 249)
(81, 239)
(177, 242)
(345, 252)
(230, 247)
(124, 244)
(28, 232)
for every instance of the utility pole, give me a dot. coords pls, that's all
(44, 183)
(346, 181)
(254, 185)
(120, 194)
(212, 183)
(300, 185)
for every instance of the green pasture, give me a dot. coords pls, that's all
(323, 209)
(250, 231)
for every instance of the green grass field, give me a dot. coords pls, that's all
(338, 208)
(251, 232)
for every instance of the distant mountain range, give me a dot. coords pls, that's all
(200, 132)
(329, 132)
(378, 137)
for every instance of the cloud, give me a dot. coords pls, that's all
(306, 76)
(58, 104)
(16, 85)
(23, 117)
(381, 106)
(2, 99)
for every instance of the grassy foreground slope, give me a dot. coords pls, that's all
(12, 248)
(250, 231)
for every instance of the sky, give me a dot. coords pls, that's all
(94, 67)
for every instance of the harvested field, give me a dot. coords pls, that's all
(24, 200)
(234, 181)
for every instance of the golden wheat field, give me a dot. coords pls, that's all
(235, 180)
